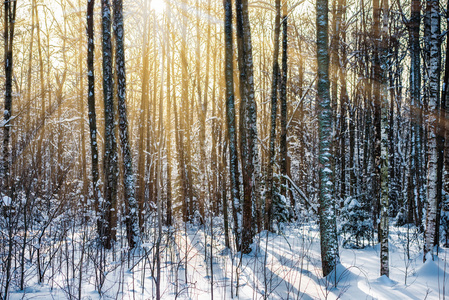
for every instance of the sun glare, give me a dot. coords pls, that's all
(158, 6)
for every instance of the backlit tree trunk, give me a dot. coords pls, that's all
(380, 102)
(415, 109)
(249, 144)
(230, 120)
(10, 19)
(283, 102)
(131, 207)
(109, 204)
(274, 95)
(143, 120)
(96, 190)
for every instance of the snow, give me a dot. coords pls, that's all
(6, 201)
(327, 170)
(284, 266)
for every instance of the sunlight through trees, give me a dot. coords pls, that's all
(128, 123)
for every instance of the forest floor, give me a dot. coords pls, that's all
(281, 266)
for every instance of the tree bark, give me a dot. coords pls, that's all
(344, 98)
(10, 19)
(273, 116)
(249, 144)
(445, 116)
(328, 226)
(283, 102)
(230, 120)
(131, 207)
(380, 96)
(109, 204)
(433, 177)
(96, 190)
(415, 107)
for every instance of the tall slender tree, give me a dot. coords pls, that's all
(131, 207)
(202, 111)
(341, 54)
(328, 226)
(168, 126)
(96, 190)
(109, 204)
(283, 101)
(445, 116)
(10, 20)
(434, 174)
(273, 116)
(143, 115)
(248, 132)
(230, 120)
(380, 102)
(415, 109)
(183, 132)
(43, 93)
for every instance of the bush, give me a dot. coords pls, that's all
(355, 224)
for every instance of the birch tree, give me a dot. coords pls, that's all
(109, 204)
(433, 178)
(283, 102)
(131, 207)
(230, 120)
(248, 132)
(415, 109)
(380, 102)
(445, 116)
(273, 116)
(10, 20)
(328, 226)
(92, 114)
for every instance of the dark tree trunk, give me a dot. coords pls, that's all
(131, 207)
(248, 134)
(283, 102)
(96, 190)
(109, 205)
(381, 130)
(273, 116)
(10, 19)
(230, 120)
(415, 108)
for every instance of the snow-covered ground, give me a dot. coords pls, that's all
(285, 266)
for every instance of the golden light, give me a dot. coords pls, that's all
(158, 6)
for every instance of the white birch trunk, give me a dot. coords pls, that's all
(328, 226)
(433, 107)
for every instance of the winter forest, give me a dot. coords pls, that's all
(201, 149)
